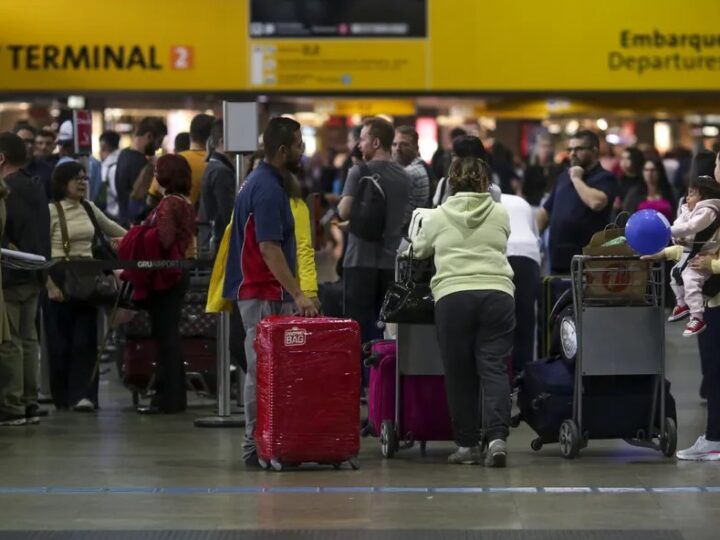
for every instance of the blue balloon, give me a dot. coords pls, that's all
(647, 232)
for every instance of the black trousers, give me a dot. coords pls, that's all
(527, 284)
(364, 291)
(71, 330)
(709, 345)
(475, 334)
(164, 308)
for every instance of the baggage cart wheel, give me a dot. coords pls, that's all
(568, 335)
(668, 440)
(536, 444)
(354, 463)
(135, 398)
(388, 439)
(263, 464)
(515, 421)
(570, 440)
(337, 466)
(423, 448)
(276, 465)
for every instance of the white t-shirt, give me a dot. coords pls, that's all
(524, 240)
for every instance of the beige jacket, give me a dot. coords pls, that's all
(80, 229)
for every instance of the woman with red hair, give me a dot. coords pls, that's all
(174, 219)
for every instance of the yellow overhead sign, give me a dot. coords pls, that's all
(443, 46)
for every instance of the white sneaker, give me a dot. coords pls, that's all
(84, 405)
(702, 450)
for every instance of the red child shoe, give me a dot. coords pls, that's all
(679, 313)
(694, 327)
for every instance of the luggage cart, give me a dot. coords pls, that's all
(418, 354)
(620, 330)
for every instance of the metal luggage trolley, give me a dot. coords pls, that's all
(619, 334)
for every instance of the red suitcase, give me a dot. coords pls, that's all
(308, 391)
(137, 369)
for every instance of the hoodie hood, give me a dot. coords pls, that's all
(709, 203)
(468, 210)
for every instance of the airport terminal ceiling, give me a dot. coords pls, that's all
(415, 47)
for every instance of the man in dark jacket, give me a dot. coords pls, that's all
(218, 191)
(27, 229)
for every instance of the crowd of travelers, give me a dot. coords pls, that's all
(492, 224)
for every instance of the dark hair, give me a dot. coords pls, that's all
(182, 142)
(457, 132)
(588, 136)
(637, 159)
(111, 138)
(469, 146)
(356, 130)
(257, 155)
(664, 186)
(151, 124)
(703, 164)
(13, 148)
(46, 133)
(24, 125)
(61, 176)
(280, 131)
(410, 132)
(381, 129)
(200, 128)
(706, 186)
(216, 133)
(174, 174)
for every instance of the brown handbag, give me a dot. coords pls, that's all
(82, 283)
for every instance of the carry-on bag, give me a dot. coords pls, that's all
(424, 412)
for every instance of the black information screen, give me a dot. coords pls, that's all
(338, 18)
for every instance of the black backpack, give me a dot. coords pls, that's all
(367, 214)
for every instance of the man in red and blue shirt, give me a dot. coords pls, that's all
(261, 264)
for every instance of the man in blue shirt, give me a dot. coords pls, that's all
(261, 263)
(580, 204)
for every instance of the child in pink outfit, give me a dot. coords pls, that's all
(699, 213)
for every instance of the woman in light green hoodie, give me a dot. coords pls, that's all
(474, 307)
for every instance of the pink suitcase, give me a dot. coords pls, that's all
(308, 391)
(424, 413)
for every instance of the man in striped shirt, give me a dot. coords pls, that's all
(406, 152)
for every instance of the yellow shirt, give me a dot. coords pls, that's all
(196, 159)
(306, 272)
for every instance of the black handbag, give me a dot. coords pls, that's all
(409, 301)
(84, 283)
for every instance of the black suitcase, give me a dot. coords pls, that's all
(614, 407)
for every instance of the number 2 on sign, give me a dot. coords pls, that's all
(181, 57)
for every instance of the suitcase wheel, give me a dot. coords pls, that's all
(388, 439)
(536, 444)
(264, 464)
(423, 448)
(515, 421)
(354, 463)
(570, 440)
(276, 465)
(668, 440)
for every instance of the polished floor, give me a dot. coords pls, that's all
(115, 470)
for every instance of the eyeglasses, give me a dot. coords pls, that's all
(579, 148)
(81, 179)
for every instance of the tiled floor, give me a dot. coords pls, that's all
(118, 449)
